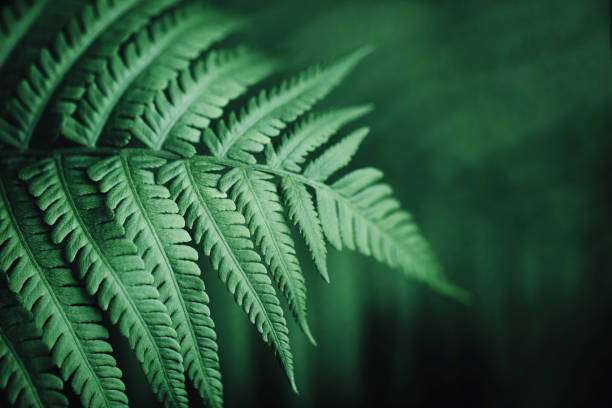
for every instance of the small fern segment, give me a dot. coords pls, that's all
(111, 268)
(15, 20)
(165, 45)
(335, 157)
(304, 215)
(175, 115)
(257, 198)
(70, 322)
(270, 112)
(26, 371)
(152, 221)
(221, 230)
(24, 110)
(311, 133)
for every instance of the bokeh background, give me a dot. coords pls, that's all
(493, 122)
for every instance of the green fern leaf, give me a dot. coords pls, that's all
(26, 371)
(23, 112)
(311, 133)
(118, 223)
(336, 157)
(72, 325)
(152, 221)
(269, 113)
(111, 268)
(16, 19)
(304, 215)
(224, 236)
(149, 54)
(257, 199)
(174, 116)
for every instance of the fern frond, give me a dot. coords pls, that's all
(175, 115)
(149, 55)
(336, 157)
(26, 371)
(308, 135)
(117, 223)
(111, 268)
(24, 110)
(153, 223)
(221, 230)
(269, 113)
(304, 215)
(257, 199)
(15, 21)
(71, 325)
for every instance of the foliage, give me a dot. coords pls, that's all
(110, 228)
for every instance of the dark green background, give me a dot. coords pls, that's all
(493, 124)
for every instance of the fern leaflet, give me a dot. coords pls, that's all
(36, 271)
(111, 268)
(173, 117)
(311, 133)
(336, 157)
(224, 236)
(153, 223)
(24, 110)
(26, 371)
(302, 212)
(161, 47)
(257, 199)
(15, 21)
(269, 113)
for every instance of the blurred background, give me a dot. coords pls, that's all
(493, 123)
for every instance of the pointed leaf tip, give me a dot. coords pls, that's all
(459, 294)
(349, 61)
(306, 329)
(325, 275)
(293, 384)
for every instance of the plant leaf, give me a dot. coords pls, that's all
(304, 215)
(174, 116)
(336, 157)
(257, 199)
(145, 58)
(221, 230)
(311, 133)
(153, 223)
(72, 325)
(26, 371)
(111, 268)
(270, 112)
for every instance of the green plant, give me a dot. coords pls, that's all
(111, 227)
